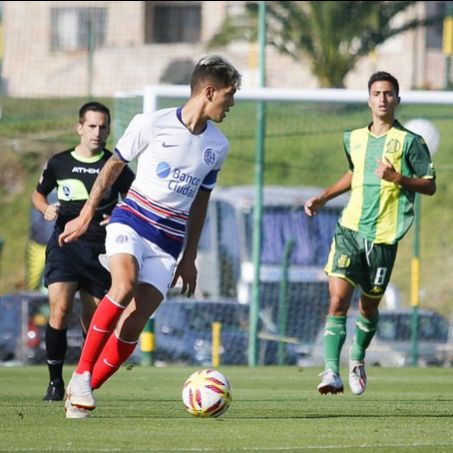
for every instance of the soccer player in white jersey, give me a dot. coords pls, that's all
(179, 153)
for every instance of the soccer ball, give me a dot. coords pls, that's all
(206, 393)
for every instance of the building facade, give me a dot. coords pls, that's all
(99, 48)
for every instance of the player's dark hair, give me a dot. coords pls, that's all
(93, 107)
(216, 70)
(382, 75)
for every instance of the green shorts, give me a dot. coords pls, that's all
(361, 262)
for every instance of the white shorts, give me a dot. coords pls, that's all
(156, 267)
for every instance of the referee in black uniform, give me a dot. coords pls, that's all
(75, 266)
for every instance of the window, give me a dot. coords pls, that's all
(172, 22)
(77, 28)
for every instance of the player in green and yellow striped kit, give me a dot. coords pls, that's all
(388, 164)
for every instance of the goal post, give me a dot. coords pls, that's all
(151, 94)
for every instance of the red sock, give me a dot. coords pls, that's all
(104, 321)
(114, 354)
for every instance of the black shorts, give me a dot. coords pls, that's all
(77, 262)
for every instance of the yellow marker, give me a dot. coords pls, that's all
(447, 47)
(216, 328)
(147, 342)
(415, 281)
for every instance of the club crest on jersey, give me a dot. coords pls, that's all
(393, 146)
(121, 239)
(209, 157)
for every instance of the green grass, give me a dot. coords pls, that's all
(303, 148)
(274, 409)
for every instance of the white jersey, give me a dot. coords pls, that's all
(173, 164)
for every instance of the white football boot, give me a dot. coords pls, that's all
(357, 376)
(331, 383)
(74, 411)
(79, 391)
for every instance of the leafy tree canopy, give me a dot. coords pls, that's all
(331, 36)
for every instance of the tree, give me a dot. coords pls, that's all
(331, 36)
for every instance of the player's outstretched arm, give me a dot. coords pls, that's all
(78, 226)
(312, 206)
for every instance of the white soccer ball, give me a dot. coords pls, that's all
(427, 130)
(206, 393)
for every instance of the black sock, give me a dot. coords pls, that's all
(56, 343)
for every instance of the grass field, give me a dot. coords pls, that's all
(273, 410)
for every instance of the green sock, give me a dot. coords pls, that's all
(334, 336)
(364, 333)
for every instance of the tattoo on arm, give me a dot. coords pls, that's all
(107, 176)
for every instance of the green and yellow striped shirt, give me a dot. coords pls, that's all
(380, 210)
